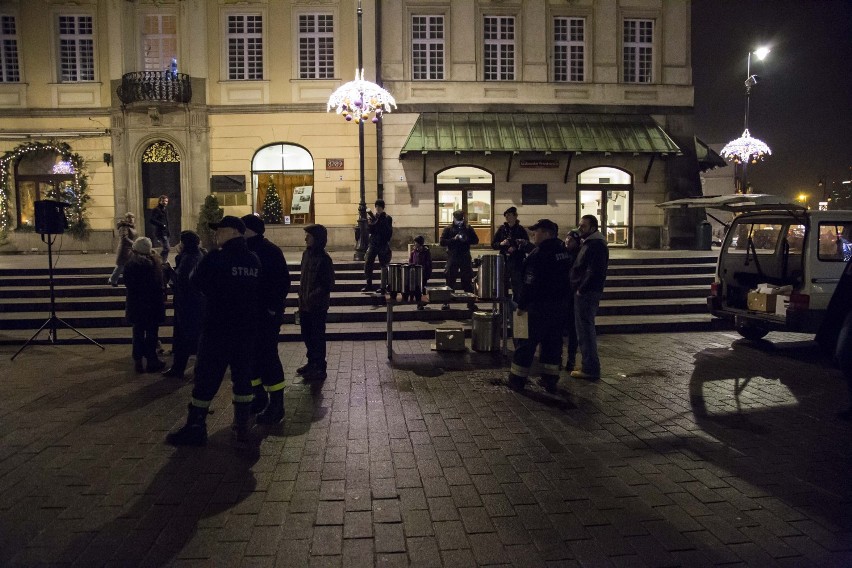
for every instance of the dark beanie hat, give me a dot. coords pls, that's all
(419, 239)
(190, 238)
(254, 223)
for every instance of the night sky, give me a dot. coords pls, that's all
(802, 107)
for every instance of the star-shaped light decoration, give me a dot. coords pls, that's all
(358, 100)
(746, 149)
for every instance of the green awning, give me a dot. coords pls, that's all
(537, 132)
(707, 157)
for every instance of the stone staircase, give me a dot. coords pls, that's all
(653, 293)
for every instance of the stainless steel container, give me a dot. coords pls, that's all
(440, 294)
(490, 281)
(485, 331)
(404, 278)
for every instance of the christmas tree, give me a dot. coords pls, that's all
(272, 211)
(210, 213)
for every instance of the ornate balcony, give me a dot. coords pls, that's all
(155, 86)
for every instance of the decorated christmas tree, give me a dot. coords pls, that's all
(210, 213)
(272, 211)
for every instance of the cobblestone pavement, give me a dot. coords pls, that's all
(693, 450)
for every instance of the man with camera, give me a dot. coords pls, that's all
(380, 227)
(511, 240)
(458, 239)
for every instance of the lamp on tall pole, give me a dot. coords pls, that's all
(747, 149)
(357, 101)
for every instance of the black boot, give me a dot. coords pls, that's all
(261, 399)
(155, 365)
(274, 413)
(138, 366)
(194, 433)
(517, 383)
(549, 383)
(242, 413)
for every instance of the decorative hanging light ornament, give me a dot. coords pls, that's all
(746, 149)
(359, 100)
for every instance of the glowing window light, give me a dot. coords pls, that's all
(746, 149)
(359, 99)
(63, 168)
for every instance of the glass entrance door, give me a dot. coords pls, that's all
(612, 208)
(476, 204)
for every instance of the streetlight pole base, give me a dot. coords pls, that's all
(362, 240)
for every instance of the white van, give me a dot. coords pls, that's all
(778, 243)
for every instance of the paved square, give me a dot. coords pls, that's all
(695, 449)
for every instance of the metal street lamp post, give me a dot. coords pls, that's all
(357, 100)
(747, 149)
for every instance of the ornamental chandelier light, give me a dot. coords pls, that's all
(358, 99)
(746, 149)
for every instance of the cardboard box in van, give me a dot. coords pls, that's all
(761, 302)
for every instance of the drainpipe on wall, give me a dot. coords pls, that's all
(380, 182)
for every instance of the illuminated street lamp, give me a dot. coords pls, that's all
(747, 149)
(359, 101)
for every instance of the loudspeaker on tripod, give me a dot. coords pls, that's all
(50, 217)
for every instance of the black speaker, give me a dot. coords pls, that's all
(50, 217)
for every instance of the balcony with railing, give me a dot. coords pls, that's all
(155, 86)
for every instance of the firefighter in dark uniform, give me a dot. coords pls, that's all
(547, 276)
(274, 284)
(228, 277)
(458, 239)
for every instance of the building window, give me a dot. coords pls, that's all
(10, 71)
(427, 46)
(159, 41)
(569, 49)
(316, 46)
(638, 51)
(499, 48)
(76, 49)
(245, 47)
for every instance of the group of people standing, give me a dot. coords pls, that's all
(557, 286)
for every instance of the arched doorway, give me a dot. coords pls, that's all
(470, 189)
(607, 193)
(161, 176)
(288, 170)
(40, 174)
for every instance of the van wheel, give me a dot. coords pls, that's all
(751, 332)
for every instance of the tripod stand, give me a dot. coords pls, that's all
(53, 321)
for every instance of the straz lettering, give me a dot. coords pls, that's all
(243, 271)
(562, 256)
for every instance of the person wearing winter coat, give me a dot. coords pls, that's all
(588, 276)
(420, 256)
(511, 240)
(458, 239)
(380, 227)
(315, 284)
(126, 227)
(146, 306)
(160, 222)
(188, 303)
(569, 330)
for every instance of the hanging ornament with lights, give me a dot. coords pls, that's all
(746, 149)
(361, 100)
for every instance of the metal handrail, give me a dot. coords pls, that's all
(160, 86)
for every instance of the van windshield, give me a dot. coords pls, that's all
(835, 242)
(764, 236)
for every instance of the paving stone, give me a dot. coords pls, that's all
(358, 552)
(386, 511)
(417, 523)
(389, 537)
(423, 551)
(329, 513)
(487, 548)
(442, 509)
(327, 541)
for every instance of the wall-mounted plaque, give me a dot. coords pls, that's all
(539, 163)
(334, 164)
(534, 194)
(229, 183)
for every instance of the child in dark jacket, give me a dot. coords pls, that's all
(420, 256)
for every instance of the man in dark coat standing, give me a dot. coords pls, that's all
(547, 274)
(588, 276)
(188, 304)
(228, 277)
(315, 283)
(273, 287)
(160, 221)
(380, 226)
(510, 239)
(458, 239)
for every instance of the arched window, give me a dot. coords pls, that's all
(470, 189)
(607, 193)
(40, 174)
(288, 170)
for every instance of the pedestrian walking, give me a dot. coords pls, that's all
(228, 278)
(546, 276)
(569, 330)
(160, 221)
(380, 226)
(315, 283)
(273, 287)
(420, 256)
(511, 239)
(126, 227)
(146, 307)
(188, 304)
(458, 238)
(588, 276)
